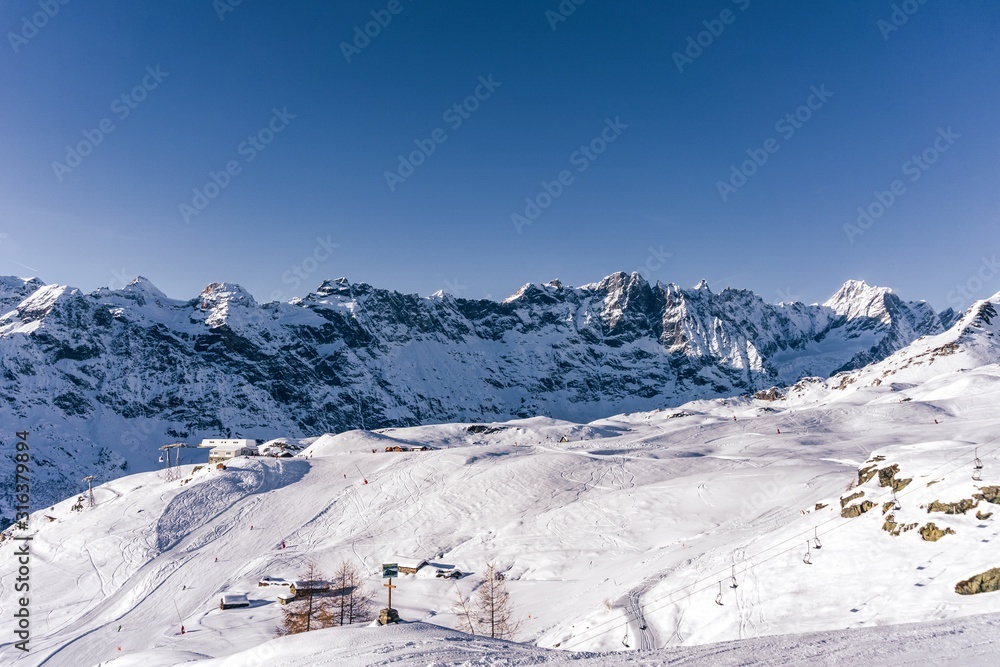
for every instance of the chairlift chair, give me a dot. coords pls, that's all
(816, 543)
(807, 559)
(718, 598)
(895, 503)
(732, 579)
(977, 475)
(979, 463)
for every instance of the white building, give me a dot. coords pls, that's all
(224, 449)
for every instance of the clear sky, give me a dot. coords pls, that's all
(115, 113)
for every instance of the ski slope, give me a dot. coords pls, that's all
(635, 520)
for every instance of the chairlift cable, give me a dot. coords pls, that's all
(585, 635)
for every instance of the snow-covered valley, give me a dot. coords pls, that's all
(622, 537)
(101, 380)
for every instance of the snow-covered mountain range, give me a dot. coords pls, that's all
(840, 507)
(102, 379)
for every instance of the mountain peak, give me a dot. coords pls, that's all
(702, 286)
(144, 287)
(856, 298)
(336, 287)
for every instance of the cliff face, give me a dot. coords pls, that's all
(102, 379)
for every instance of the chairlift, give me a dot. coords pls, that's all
(807, 559)
(895, 503)
(979, 463)
(161, 458)
(816, 543)
(732, 579)
(977, 475)
(718, 598)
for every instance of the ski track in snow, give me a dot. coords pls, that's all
(643, 510)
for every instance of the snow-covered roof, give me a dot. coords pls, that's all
(408, 562)
(221, 443)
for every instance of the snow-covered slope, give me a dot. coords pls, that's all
(967, 642)
(617, 539)
(102, 379)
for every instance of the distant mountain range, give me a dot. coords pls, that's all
(102, 379)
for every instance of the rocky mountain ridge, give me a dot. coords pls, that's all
(102, 379)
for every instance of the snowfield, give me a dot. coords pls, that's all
(614, 536)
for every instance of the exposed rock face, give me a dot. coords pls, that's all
(960, 507)
(772, 394)
(990, 494)
(931, 533)
(887, 477)
(987, 582)
(856, 510)
(854, 496)
(101, 379)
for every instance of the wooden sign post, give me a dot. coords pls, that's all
(390, 587)
(389, 615)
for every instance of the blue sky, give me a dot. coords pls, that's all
(272, 82)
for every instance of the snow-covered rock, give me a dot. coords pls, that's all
(102, 379)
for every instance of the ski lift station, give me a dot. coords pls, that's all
(223, 450)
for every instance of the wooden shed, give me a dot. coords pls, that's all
(301, 587)
(407, 565)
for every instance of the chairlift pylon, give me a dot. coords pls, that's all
(718, 598)
(807, 559)
(816, 543)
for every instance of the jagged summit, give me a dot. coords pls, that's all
(336, 287)
(147, 369)
(857, 298)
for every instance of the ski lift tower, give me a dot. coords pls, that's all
(89, 479)
(172, 470)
